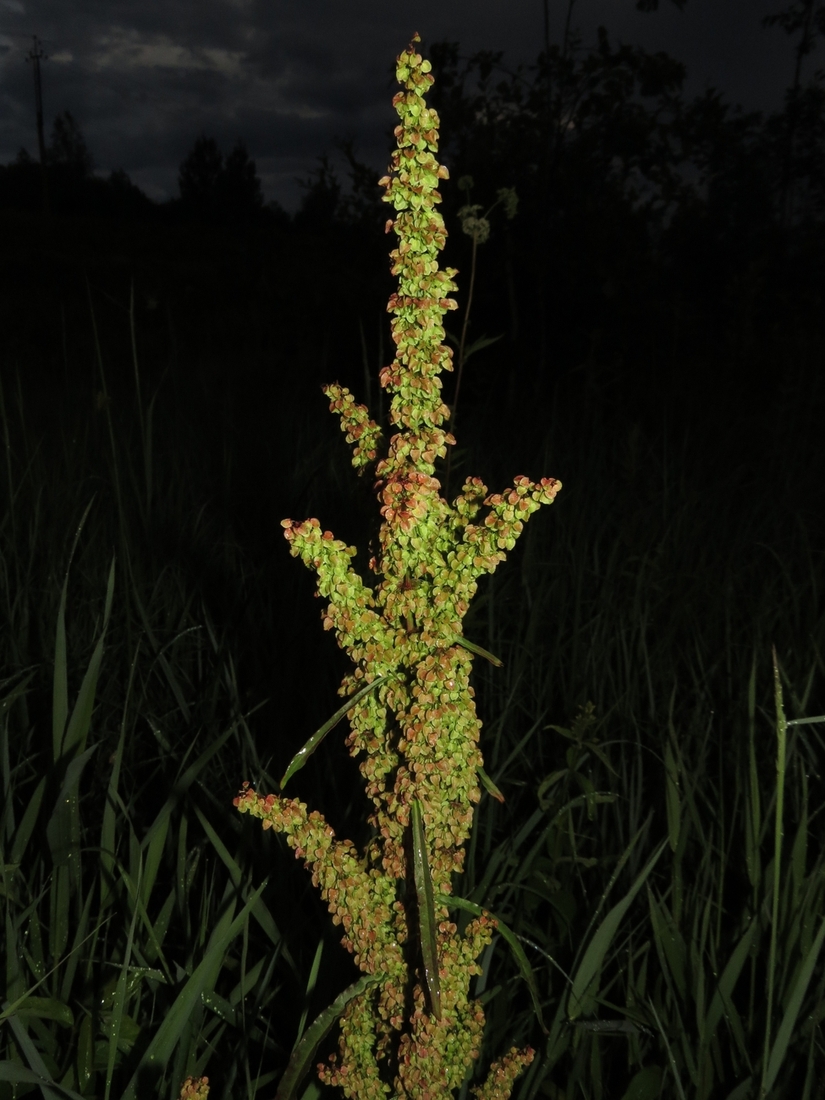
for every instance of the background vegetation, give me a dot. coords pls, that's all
(658, 300)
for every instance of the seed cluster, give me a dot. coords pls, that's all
(195, 1088)
(416, 735)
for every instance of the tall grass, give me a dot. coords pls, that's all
(649, 623)
(127, 894)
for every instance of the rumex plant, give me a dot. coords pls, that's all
(409, 1027)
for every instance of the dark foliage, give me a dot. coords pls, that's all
(219, 189)
(68, 146)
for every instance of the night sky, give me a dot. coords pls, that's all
(144, 79)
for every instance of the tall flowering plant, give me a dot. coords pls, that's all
(409, 1027)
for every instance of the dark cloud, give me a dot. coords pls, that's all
(144, 79)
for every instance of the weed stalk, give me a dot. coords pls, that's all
(408, 1027)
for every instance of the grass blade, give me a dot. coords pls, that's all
(672, 800)
(60, 685)
(302, 755)
(490, 786)
(753, 808)
(426, 909)
(586, 977)
(311, 981)
(722, 998)
(27, 823)
(304, 1052)
(14, 1073)
(781, 735)
(783, 1036)
(119, 1002)
(471, 647)
(510, 938)
(78, 728)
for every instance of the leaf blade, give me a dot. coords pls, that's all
(303, 754)
(426, 908)
(591, 963)
(511, 939)
(304, 1052)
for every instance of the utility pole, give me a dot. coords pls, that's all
(36, 55)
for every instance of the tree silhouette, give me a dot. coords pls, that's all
(199, 175)
(239, 186)
(220, 188)
(321, 204)
(801, 125)
(68, 146)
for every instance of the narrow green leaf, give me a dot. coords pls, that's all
(17, 1074)
(27, 823)
(612, 1027)
(77, 729)
(302, 755)
(781, 736)
(153, 843)
(786, 1028)
(489, 786)
(729, 978)
(510, 938)
(313, 1091)
(64, 828)
(60, 682)
(426, 909)
(7, 774)
(670, 943)
(304, 1052)
(119, 1003)
(108, 831)
(313, 978)
(477, 345)
(64, 841)
(646, 1084)
(85, 1057)
(481, 342)
(672, 799)
(75, 957)
(189, 776)
(473, 648)
(753, 808)
(221, 1007)
(46, 1008)
(673, 1067)
(743, 1090)
(585, 980)
(249, 979)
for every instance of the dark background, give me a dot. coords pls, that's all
(143, 80)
